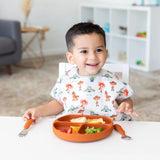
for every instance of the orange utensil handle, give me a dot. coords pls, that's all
(28, 123)
(119, 129)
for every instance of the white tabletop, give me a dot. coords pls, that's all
(41, 143)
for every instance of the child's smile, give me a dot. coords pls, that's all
(92, 65)
(89, 53)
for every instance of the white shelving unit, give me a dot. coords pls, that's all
(127, 47)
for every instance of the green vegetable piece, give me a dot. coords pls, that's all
(87, 130)
(93, 130)
(99, 129)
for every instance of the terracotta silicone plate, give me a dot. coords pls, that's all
(80, 136)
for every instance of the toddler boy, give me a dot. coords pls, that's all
(87, 88)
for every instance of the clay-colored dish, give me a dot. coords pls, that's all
(80, 136)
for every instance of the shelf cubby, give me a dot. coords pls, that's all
(119, 19)
(137, 49)
(118, 53)
(137, 22)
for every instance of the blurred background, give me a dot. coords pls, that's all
(132, 33)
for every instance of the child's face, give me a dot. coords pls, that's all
(88, 53)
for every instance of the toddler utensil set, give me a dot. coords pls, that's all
(65, 123)
(24, 132)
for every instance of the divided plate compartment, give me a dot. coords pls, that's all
(81, 136)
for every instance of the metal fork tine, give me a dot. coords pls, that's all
(23, 133)
(26, 126)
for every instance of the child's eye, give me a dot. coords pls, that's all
(84, 51)
(98, 50)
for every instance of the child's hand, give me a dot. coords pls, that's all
(32, 113)
(126, 107)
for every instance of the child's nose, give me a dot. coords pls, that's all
(92, 55)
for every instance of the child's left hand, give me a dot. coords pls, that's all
(127, 107)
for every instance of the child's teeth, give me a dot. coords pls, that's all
(91, 64)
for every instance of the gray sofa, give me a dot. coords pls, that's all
(10, 43)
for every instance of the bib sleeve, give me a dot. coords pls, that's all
(57, 91)
(125, 92)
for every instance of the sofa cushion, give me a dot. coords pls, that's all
(7, 45)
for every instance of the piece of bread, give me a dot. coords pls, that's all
(79, 120)
(96, 121)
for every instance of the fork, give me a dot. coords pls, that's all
(118, 128)
(26, 126)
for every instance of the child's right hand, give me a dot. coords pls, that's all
(32, 113)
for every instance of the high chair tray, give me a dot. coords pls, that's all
(64, 123)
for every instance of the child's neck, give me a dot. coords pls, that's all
(87, 75)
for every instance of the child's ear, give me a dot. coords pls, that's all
(69, 56)
(107, 52)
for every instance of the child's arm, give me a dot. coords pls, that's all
(52, 108)
(126, 106)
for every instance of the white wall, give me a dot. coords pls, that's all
(58, 15)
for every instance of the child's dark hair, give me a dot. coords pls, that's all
(82, 28)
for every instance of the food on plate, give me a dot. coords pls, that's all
(85, 120)
(93, 130)
(63, 130)
(96, 121)
(75, 129)
(72, 129)
(79, 120)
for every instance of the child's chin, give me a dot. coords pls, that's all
(89, 72)
(93, 72)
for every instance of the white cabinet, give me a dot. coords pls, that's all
(122, 23)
